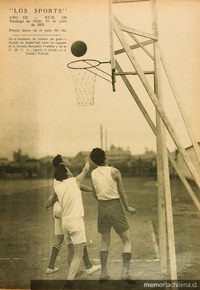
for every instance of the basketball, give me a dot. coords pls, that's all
(78, 48)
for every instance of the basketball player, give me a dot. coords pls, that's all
(67, 190)
(109, 191)
(52, 200)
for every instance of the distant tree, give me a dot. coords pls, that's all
(113, 148)
(120, 149)
(19, 158)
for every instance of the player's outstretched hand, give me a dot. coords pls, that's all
(87, 163)
(132, 210)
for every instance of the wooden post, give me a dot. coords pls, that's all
(162, 169)
(164, 191)
(162, 164)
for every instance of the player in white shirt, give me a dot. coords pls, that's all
(109, 191)
(67, 190)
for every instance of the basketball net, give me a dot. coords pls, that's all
(84, 81)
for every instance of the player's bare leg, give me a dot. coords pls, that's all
(90, 269)
(78, 255)
(126, 255)
(126, 239)
(70, 256)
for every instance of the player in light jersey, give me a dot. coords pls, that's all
(57, 214)
(69, 195)
(109, 191)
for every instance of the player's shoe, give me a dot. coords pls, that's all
(93, 269)
(78, 274)
(50, 271)
(128, 279)
(104, 278)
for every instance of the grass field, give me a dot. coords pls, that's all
(27, 233)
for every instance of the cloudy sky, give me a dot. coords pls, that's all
(39, 112)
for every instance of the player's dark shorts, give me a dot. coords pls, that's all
(111, 215)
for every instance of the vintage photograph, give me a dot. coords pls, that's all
(100, 144)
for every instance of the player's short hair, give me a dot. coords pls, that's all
(98, 156)
(57, 160)
(60, 172)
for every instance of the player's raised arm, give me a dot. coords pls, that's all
(85, 188)
(117, 175)
(85, 170)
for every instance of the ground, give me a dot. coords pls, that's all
(27, 234)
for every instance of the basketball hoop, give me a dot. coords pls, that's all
(84, 74)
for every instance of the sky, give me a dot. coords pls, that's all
(39, 111)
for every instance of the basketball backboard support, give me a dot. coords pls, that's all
(120, 31)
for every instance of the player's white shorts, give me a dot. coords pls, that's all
(74, 231)
(57, 219)
(58, 226)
